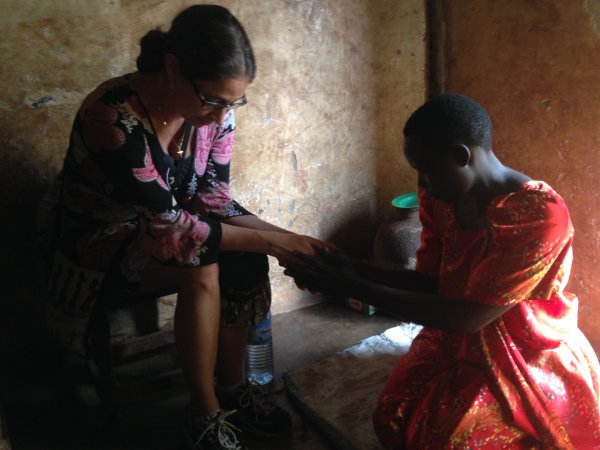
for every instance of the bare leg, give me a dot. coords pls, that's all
(231, 355)
(196, 330)
(196, 324)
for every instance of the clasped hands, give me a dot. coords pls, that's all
(326, 270)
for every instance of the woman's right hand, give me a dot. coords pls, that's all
(284, 245)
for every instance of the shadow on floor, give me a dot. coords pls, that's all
(52, 408)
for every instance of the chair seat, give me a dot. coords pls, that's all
(124, 350)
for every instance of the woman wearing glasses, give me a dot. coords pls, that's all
(143, 200)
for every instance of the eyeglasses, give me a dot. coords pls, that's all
(217, 105)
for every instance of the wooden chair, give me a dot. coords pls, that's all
(136, 359)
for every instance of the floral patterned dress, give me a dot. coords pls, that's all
(528, 380)
(120, 201)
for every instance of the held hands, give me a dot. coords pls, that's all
(326, 270)
(285, 245)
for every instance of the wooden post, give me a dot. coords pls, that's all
(436, 59)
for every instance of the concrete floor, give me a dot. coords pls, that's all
(42, 414)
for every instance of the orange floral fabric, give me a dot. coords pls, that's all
(528, 380)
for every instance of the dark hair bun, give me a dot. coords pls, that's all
(208, 42)
(152, 51)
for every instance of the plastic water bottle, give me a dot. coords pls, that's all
(259, 353)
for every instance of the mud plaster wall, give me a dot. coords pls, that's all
(534, 66)
(317, 147)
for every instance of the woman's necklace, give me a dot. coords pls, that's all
(160, 111)
(179, 150)
(178, 153)
(156, 115)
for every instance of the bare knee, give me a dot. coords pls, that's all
(195, 281)
(189, 281)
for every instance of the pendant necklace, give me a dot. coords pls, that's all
(179, 150)
(179, 146)
(159, 109)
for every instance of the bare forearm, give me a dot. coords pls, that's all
(242, 239)
(265, 240)
(253, 222)
(409, 280)
(428, 309)
(335, 274)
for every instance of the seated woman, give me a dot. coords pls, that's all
(143, 203)
(500, 362)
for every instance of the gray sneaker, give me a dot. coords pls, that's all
(213, 432)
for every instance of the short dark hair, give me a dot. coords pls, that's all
(451, 118)
(208, 41)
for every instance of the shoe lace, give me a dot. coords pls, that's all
(225, 433)
(256, 396)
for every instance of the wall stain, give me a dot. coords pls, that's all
(294, 160)
(41, 101)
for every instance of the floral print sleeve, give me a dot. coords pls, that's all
(117, 138)
(212, 163)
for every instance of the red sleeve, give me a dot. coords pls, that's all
(530, 239)
(429, 253)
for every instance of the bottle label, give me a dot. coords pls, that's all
(261, 332)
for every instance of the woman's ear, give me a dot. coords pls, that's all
(461, 154)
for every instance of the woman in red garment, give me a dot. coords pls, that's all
(500, 362)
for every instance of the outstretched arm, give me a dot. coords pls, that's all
(429, 309)
(409, 280)
(237, 235)
(255, 223)
(330, 273)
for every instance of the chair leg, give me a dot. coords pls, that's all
(100, 365)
